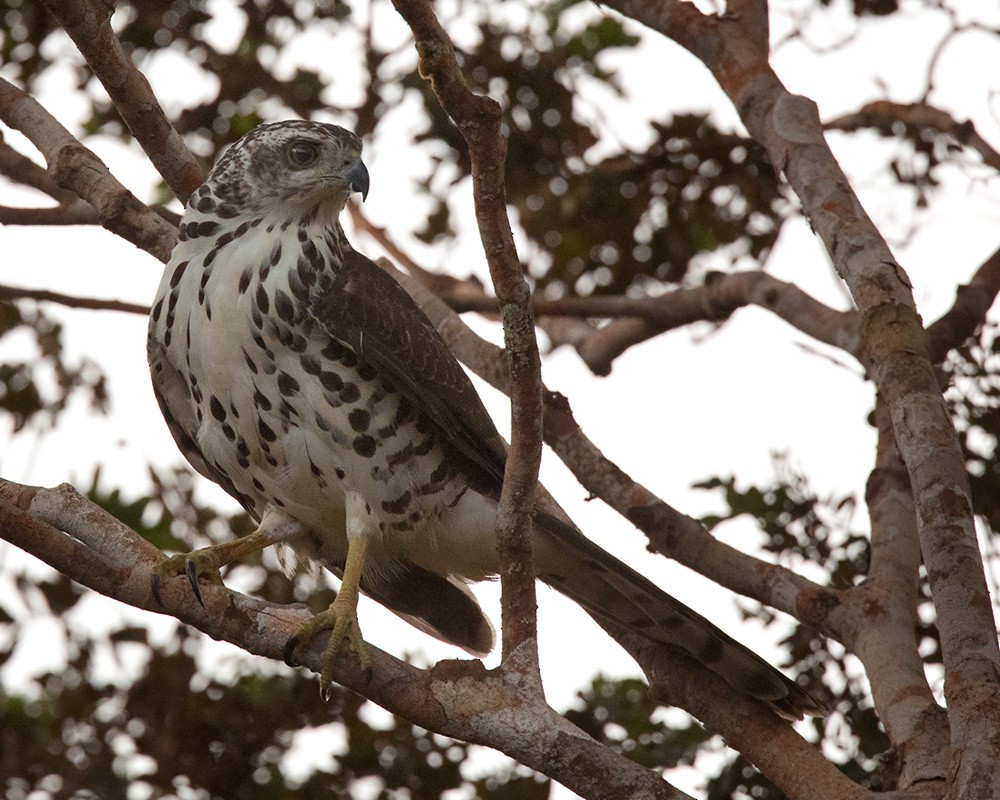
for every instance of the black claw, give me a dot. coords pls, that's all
(368, 674)
(290, 645)
(155, 586)
(192, 573)
(325, 691)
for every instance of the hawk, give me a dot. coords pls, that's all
(301, 378)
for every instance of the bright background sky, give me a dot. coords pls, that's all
(685, 406)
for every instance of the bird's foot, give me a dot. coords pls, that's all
(341, 619)
(198, 565)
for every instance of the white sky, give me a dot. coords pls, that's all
(688, 405)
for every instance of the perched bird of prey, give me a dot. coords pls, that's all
(302, 378)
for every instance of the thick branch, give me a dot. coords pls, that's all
(74, 212)
(478, 118)
(88, 23)
(74, 167)
(895, 350)
(458, 699)
(880, 620)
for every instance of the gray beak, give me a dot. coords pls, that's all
(357, 178)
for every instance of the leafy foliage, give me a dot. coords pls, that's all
(974, 374)
(37, 391)
(800, 527)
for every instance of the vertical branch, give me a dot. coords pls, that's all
(478, 118)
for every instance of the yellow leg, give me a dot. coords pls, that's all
(341, 619)
(204, 564)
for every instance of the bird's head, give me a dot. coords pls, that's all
(293, 165)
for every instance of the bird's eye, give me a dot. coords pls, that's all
(302, 154)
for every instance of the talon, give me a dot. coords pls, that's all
(197, 565)
(192, 576)
(155, 586)
(290, 645)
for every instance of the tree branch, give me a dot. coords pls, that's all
(455, 698)
(883, 114)
(895, 350)
(478, 118)
(46, 296)
(21, 169)
(74, 167)
(88, 23)
(880, 620)
(75, 212)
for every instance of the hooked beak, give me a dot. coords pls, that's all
(357, 178)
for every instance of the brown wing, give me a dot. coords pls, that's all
(364, 308)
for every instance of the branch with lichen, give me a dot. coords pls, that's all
(478, 118)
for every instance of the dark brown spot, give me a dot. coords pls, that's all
(178, 272)
(260, 399)
(397, 506)
(284, 306)
(359, 419)
(245, 280)
(262, 302)
(265, 432)
(216, 408)
(250, 363)
(402, 456)
(331, 381)
(366, 371)
(310, 365)
(364, 445)
(350, 393)
(403, 412)
(287, 385)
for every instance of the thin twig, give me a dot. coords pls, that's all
(93, 303)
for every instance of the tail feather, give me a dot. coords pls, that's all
(609, 589)
(440, 606)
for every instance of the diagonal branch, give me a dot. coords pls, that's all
(75, 167)
(88, 23)
(478, 118)
(455, 698)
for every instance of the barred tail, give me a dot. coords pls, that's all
(607, 588)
